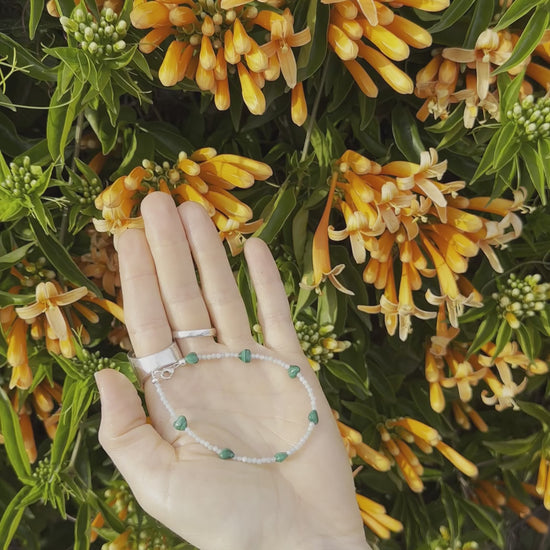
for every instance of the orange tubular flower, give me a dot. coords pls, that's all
(203, 177)
(322, 268)
(406, 220)
(353, 23)
(376, 519)
(210, 36)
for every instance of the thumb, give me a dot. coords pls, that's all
(136, 448)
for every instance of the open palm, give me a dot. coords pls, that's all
(255, 409)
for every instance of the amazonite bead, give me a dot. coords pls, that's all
(192, 358)
(279, 457)
(293, 371)
(180, 423)
(226, 454)
(245, 355)
(313, 416)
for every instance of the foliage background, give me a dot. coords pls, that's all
(60, 108)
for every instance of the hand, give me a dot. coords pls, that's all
(306, 502)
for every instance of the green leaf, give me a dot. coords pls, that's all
(508, 92)
(405, 133)
(451, 510)
(517, 10)
(168, 140)
(37, 7)
(299, 234)
(18, 55)
(345, 372)
(8, 299)
(506, 147)
(485, 333)
(13, 513)
(537, 411)
(60, 259)
(40, 213)
(313, 53)
(276, 213)
(451, 15)
(529, 341)
(481, 518)
(530, 37)
(82, 528)
(11, 258)
(101, 125)
(488, 157)
(79, 394)
(141, 146)
(504, 335)
(544, 157)
(535, 167)
(480, 20)
(513, 447)
(63, 110)
(4, 168)
(13, 438)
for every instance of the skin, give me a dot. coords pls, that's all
(306, 502)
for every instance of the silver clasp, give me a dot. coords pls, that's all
(165, 373)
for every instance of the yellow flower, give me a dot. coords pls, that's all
(282, 40)
(376, 519)
(49, 299)
(298, 106)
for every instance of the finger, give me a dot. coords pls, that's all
(218, 284)
(137, 450)
(143, 310)
(181, 294)
(273, 311)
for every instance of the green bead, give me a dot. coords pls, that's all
(180, 423)
(245, 355)
(313, 416)
(226, 454)
(279, 457)
(192, 358)
(293, 371)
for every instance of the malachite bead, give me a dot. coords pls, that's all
(313, 416)
(245, 356)
(180, 423)
(192, 358)
(293, 371)
(226, 454)
(279, 457)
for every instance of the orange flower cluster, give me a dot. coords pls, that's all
(204, 177)
(467, 371)
(212, 40)
(115, 5)
(47, 320)
(376, 519)
(398, 435)
(43, 400)
(140, 531)
(413, 226)
(353, 441)
(351, 21)
(490, 493)
(437, 82)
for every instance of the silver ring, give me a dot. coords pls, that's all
(192, 333)
(145, 366)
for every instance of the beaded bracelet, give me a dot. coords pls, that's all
(179, 422)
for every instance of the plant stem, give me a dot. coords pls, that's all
(313, 116)
(77, 137)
